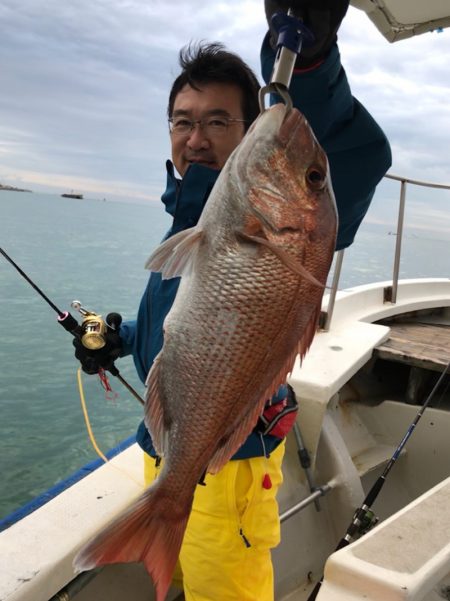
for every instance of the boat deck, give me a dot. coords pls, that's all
(421, 344)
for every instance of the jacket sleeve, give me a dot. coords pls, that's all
(358, 151)
(127, 334)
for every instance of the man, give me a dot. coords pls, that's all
(234, 522)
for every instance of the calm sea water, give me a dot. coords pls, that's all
(94, 251)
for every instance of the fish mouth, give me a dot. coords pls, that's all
(292, 121)
(295, 134)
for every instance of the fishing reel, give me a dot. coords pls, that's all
(93, 332)
(367, 522)
(93, 328)
(364, 519)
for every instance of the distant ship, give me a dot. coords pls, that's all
(12, 188)
(72, 195)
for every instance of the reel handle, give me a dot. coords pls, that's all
(113, 320)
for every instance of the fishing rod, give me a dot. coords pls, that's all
(91, 332)
(364, 518)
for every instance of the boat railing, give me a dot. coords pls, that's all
(390, 292)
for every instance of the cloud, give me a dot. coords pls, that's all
(85, 86)
(405, 85)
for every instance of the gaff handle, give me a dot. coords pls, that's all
(292, 34)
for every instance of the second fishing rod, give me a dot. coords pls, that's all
(364, 518)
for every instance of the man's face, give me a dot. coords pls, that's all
(200, 145)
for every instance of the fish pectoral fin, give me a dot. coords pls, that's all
(288, 261)
(174, 257)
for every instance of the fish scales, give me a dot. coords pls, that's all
(224, 330)
(252, 272)
(233, 343)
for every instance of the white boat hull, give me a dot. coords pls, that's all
(350, 424)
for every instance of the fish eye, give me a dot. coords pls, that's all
(315, 177)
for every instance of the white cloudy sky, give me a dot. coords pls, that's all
(84, 86)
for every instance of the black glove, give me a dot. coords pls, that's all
(321, 17)
(92, 361)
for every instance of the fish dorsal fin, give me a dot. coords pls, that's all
(154, 413)
(287, 260)
(174, 257)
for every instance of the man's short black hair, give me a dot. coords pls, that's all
(204, 63)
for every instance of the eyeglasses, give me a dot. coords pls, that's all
(211, 126)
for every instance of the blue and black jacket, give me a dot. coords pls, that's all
(359, 156)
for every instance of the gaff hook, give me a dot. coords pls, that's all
(275, 88)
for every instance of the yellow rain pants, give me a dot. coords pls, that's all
(232, 528)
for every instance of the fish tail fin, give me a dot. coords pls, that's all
(150, 531)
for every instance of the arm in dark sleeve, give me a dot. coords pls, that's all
(358, 151)
(127, 334)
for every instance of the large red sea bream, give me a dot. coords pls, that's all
(253, 274)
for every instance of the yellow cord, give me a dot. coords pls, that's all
(86, 417)
(91, 433)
